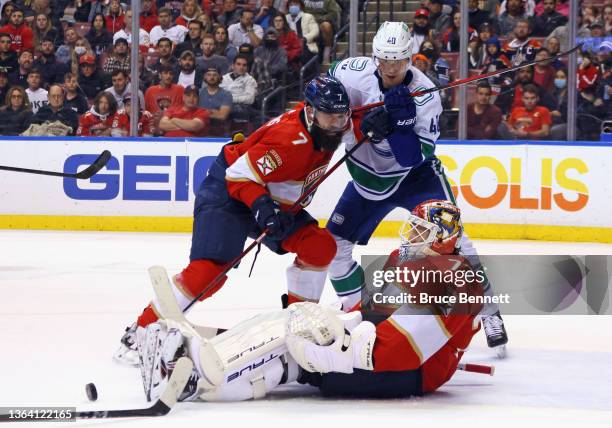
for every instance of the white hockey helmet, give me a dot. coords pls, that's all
(392, 41)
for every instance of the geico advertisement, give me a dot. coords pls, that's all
(522, 184)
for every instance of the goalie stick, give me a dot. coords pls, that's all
(87, 173)
(176, 384)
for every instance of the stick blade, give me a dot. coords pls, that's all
(96, 166)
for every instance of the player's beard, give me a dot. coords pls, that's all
(326, 140)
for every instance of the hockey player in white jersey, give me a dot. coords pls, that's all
(397, 167)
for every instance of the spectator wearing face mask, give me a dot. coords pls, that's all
(305, 26)
(559, 109)
(270, 60)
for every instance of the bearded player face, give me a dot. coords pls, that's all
(327, 128)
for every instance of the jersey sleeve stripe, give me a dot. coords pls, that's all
(409, 338)
(426, 332)
(242, 170)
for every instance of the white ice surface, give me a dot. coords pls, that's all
(65, 298)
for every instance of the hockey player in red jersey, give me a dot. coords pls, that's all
(250, 187)
(414, 349)
(418, 345)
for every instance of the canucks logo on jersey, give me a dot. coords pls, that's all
(375, 172)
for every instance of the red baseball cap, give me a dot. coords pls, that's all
(87, 59)
(421, 12)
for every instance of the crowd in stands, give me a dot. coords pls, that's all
(530, 103)
(205, 66)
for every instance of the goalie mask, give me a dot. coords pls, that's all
(433, 228)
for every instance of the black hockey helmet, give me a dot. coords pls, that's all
(327, 94)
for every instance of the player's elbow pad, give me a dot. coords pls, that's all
(406, 148)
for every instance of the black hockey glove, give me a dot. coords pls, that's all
(377, 121)
(401, 109)
(269, 216)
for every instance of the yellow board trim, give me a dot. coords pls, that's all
(388, 229)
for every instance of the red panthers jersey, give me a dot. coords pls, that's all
(279, 158)
(427, 336)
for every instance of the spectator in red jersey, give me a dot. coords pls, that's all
(288, 40)
(483, 117)
(187, 120)
(544, 72)
(521, 48)
(103, 120)
(530, 121)
(115, 17)
(190, 11)
(146, 121)
(148, 17)
(160, 97)
(22, 37)
(587, 72)
(451, 36)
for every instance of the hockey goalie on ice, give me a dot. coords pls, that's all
(411, 351)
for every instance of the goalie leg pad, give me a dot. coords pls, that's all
(255, 385)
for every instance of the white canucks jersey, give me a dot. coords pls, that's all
(375, 172)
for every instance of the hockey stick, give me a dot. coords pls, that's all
(476, 368)
(261, 237)
(87, 173)
(473, 78)
(176, 384)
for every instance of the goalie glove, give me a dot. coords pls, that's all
(322, 340)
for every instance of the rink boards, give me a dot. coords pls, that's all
(506, 190)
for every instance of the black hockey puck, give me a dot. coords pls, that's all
(92, 392)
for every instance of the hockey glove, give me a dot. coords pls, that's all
(269, 216)
(401, 109)
(378, 123)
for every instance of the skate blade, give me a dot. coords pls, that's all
(501, 352)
